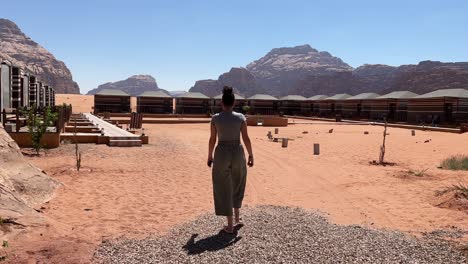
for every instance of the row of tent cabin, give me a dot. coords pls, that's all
(441, 106)
(19, 88)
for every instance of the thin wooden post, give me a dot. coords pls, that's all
(3, 117)
(17, 121)
(382, 148)
(316, 149)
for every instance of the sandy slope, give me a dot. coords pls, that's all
(138, 191)
(81, 103)
(84, 103)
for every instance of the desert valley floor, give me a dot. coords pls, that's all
(135, 192)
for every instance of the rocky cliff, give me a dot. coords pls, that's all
(240, 78)
(134, 85)
(22, 51)
(23, 187)
(306, 71)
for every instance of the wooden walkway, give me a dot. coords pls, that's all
(117, 137)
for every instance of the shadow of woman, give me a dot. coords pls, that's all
(216, 242)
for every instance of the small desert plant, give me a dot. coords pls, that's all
(38, 127)
(77, 152)
(460, 190)
(382, 148)
(5, 244)
(419, 173)
(456, 162)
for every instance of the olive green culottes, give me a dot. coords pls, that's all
(229, 177)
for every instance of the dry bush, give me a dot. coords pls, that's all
(456, 162)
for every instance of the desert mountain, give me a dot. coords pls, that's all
(22, 51)
(134, 85)
(240, 78)
(306, 71)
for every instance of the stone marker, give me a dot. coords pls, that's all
(316, 149)
(413, 133)
(276, 130)
(285, 142)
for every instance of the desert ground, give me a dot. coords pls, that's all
(137, 192)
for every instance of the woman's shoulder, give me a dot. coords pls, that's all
(214, 117)
(239, 115)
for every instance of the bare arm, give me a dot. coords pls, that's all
(211, 143)
(247, 143)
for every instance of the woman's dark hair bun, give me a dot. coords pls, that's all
(228, 96)
(227, 90)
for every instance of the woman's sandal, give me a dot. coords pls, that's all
(239, 222)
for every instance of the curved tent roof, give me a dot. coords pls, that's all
(262, 97)
(398, 95)
(317, 97)
(159, 94)
(293, 98)
(192, 95)
(338, 97)
(113, 92)
(458, 93)
(363, 96)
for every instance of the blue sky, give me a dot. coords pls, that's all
(179, 42)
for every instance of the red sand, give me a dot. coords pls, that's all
(139, 191)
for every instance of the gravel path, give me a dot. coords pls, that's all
(277, 235)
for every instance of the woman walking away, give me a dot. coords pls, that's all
(229, 169)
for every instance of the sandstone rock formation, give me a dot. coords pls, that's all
(134, 85)
(240, 78)
(306, 71)
(22, 51)
(23, 187)
(281, 68)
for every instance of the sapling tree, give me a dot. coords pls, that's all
(37, 126)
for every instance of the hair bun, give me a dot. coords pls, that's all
(227, 90)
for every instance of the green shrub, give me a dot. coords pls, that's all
(37, 126)
(457, 162)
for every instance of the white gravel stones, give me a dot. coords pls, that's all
(277, 235)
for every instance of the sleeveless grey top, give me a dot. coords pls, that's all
(228, 125)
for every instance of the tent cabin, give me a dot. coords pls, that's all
(392, 106)
(5, 85)
(32, 90)
(238, 107)
(47, 90)
(154, 102)
(24, 82)
(52, 97)
(447, 106)
(263, 104)
(112, 101)
(40, 94)
(314, 102)
(293, 105)
(16, 88)
(332, 105)
(358, 106)
(192, 103)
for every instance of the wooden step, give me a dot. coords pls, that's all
(125, 143)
